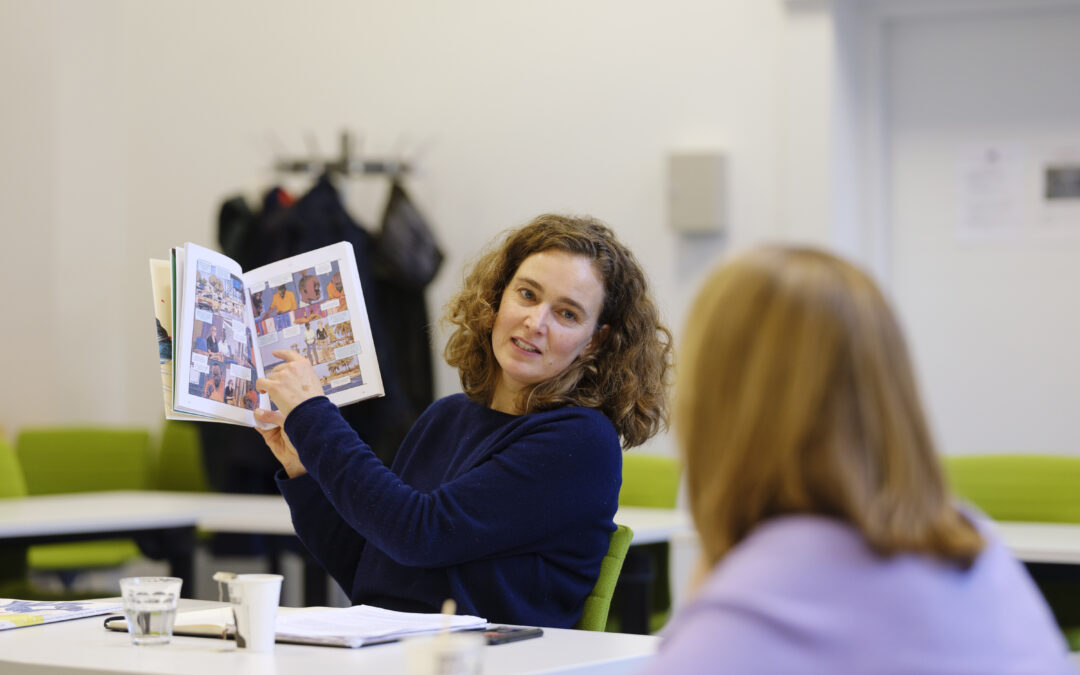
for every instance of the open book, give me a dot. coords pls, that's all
(218, 327)
(356, 626)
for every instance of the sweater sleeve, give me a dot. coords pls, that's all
(324, 534)
(550, 479)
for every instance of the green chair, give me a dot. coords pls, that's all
(12, 560)
(594, 615)
(649, 481)
(14, 572)
(180, 462)
(83, 459)
(1035, 488)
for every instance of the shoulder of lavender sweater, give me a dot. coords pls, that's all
(787, 550)
(814, 557)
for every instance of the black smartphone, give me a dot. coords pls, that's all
(497, 635)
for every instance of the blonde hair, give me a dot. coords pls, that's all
(797, 395)
(626, 377)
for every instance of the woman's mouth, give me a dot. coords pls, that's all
(525, 346)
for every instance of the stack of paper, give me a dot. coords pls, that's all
(17, 613)
(362, 624)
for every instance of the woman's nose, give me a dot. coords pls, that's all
(536, 319)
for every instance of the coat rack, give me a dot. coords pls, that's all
(345, 164)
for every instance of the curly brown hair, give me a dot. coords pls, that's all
(626, 377)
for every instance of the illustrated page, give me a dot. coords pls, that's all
(313, 305)
(217, 364)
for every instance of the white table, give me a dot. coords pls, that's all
(1042, 542)
(84, 647)
(90, 512)
(172, 516)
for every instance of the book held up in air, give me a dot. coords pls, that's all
(219, 326)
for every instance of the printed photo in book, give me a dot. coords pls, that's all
(227, 323)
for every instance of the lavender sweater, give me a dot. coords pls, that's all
(509, 515)
(803, 594)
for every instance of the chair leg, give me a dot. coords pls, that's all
(67, 578)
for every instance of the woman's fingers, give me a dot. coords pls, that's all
(270, 416)
(288, 355)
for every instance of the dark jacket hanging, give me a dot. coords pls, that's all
(237, 459)
(406, 260)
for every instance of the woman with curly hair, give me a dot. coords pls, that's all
(500, 497)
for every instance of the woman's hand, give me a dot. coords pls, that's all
(290, 383)
(279, 443)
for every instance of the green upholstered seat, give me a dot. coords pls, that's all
(595, 613)
(1036, 488)
(58, 460)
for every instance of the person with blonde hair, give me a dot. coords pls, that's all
(830, 543)
(500, 497)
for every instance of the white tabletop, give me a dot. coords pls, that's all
(220, 512)
(84, 646)
(1042, 542)
(88, 512)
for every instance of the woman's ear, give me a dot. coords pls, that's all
(597, 339)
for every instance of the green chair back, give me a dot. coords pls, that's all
(595, 613)
(84, 459)
(649, 480)
(180, 461)
(12, 483)
(59, 460)
(1039, 488)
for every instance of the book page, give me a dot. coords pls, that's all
(161, 286)
(354, 626)
(214, 345)
(312, 303)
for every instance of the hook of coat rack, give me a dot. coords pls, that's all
(345, 164)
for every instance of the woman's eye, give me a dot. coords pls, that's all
(526, 294)
(569, 315)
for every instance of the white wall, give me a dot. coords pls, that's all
(997, 317)
(133, 120)
(992, 320)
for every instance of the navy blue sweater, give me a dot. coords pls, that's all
(509, 515)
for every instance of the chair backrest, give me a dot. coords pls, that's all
(1041, 488)
(12, 483)
(84, 459)
(595, 613)
(649, 480)
(180, 461)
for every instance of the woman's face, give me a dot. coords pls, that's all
(547, 318)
